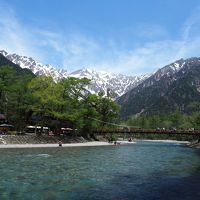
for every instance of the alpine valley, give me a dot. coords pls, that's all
(173, 87)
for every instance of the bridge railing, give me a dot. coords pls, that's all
(146, 131)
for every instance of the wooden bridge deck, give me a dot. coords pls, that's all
(147, 131)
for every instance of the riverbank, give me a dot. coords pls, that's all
(27, 141)
(85, 144)
(44, 139)
(194, 144)
(31, 141)
(168, 141)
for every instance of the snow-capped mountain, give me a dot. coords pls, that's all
(169, 70)
(173, 87)
(36, 67)
(100, 81)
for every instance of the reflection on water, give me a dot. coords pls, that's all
(144, 170)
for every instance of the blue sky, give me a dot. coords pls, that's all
(123, 36)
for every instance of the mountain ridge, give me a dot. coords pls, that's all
(6, 62)
(172, 87)
(100, 81)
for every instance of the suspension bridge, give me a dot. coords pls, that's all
(137, 130)
(104, 131)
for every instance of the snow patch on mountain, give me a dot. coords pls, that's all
(169, 70)
(176, 66)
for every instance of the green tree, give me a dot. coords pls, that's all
(72, 92)
(175, 118)
(7, 79)
(195, 120)
(18, 106)
(44, 97)
(107, 108)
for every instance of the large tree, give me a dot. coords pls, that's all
(44, 97)
(14, 95)
(7, 78)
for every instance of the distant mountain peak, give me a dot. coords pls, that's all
(100, 80)
(170, 88)
(36, 67)
(3, 52)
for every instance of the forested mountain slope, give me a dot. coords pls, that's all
(173, 87)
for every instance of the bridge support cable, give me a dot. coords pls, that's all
(125, 127)
(109, 123)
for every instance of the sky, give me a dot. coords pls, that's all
(130, 37)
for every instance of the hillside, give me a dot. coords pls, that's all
(6, 62)
(173, 87)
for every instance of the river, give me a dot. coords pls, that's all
(145, 170)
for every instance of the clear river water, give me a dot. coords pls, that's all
(145, 170)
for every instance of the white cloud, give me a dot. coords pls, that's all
(13, 36)
(145, 59)
(19, 38)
